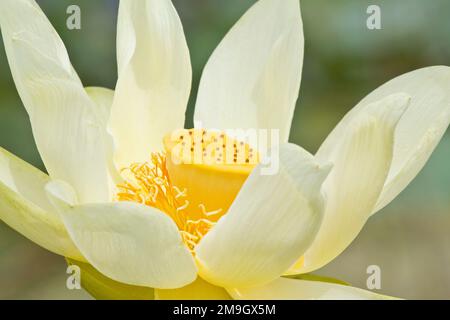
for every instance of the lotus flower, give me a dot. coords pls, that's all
(139, 224)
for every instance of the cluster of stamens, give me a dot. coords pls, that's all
(149, 183)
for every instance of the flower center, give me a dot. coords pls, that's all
(194, 181)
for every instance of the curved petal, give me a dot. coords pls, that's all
(253, 77)
(361, 164)
(197, 290)
(24, 206)
(154, 78)
(127, 242)
(63, 118)
(270, 224)
(290, 289)
(104, 288)
(418, 132)
(103, 99)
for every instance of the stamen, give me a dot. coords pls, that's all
(208, 214)
(149, 184)
(183, 207)
(179, 192)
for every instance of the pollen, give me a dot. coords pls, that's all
(150, 184)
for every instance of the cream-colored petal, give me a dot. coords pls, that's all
(63, 117)
(24, 206)
(290, 289)
(103, 288)
(103, 99)
(253, 77)
(361, 159)
(418, 132)
(127, 242)
(154, 78)
(197, 290)
(271, 223)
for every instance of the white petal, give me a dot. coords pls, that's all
(63, 117)
(101, 287)
(361, 163)
(127, 242)
(103, 99)
(418, 132)
(154, 78)
(253, 77)
(24, 206)
(271, 223)
(291, 289)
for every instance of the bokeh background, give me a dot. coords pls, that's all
(344, 61)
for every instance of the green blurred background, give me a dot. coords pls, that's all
(344, 61)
